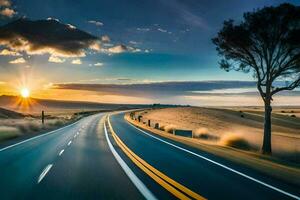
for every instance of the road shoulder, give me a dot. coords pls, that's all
(287, 174)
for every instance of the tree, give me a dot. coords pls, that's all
(266, 43)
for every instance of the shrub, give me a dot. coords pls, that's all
(34, 127)
(203, 133)
(23, 128)
(235, 141)
(170, 128)
(58, 123)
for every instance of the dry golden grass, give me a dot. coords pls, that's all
(282, 170)
(203, 133)
(213, 124)
(12, 128)
(235, 141)
(168, 128)
(7, 132)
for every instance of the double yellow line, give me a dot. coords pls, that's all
(178, 190)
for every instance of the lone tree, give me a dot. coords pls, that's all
(266, 43)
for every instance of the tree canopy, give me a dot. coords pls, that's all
(267, 43)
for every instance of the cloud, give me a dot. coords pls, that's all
(185, 92)
(76, 61)
(143, 29)
(51, 18)
(46, 36)
(18, 61)
(134, 50)
(97, 23)
(186, 14)
(190, 88)
(7, 52)
(105, 38)
(98, 64)
(96, 46)
(71, 26)
(56, 59)
(162, 30)
(8, 12)
(118, 49)
(122, 48)
(134, 42)
(6, 3)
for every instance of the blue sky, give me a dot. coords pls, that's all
(183, 52)
(166, 40)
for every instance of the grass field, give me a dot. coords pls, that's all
(239, 127)
(7, 132)
(234, 150)
(13, 124)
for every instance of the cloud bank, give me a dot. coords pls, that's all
(6, 9)
(18, 61)
(159, 88)
(46, 36)
(200, 93)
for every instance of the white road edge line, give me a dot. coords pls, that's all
(36, 137)
(221, 165)
(134, 179)
(45, 171)
(69, 143)
(61, 152)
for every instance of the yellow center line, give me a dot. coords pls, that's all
(160, 181)
(158, 176)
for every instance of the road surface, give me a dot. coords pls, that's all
(96, 158)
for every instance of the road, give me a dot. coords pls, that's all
(96, 158)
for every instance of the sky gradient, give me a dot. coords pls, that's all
(117, 43)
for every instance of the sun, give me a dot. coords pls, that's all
(25, 93)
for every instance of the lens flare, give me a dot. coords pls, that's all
(25, 93)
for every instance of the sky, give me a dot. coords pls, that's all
(110, 51)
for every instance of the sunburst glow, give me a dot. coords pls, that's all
(25, 93)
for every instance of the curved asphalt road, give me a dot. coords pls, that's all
(86, 169)
(83, 161)
(206, 178)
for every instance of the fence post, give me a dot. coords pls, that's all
(139, 118)
(43, 117)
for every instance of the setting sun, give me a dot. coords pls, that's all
(25, 92)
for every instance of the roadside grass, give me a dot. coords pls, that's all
(34, 126)
(271, 166)
(168, 128)
(13, 128)
(7, 133)
(204, 134)
(236, 141)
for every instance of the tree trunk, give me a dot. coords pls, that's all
(266, 148)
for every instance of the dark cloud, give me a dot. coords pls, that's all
(47, 36)
(158, 88)
(174, 90)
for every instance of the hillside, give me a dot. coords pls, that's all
(8, 114)
(230, 123)
(36, 105)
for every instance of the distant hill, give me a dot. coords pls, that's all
(36, 105)
(4, 113)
